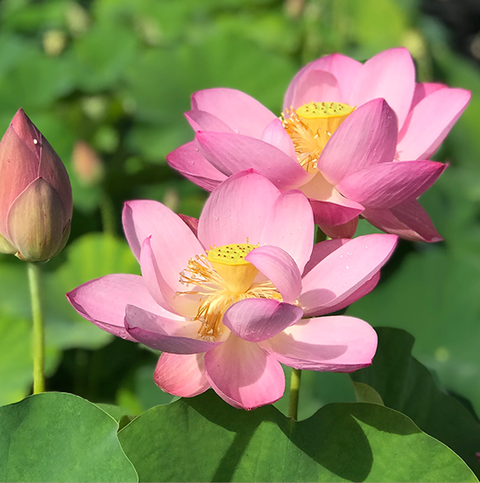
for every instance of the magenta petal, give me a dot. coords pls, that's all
(182, 375)
(408, 220)
(204, 121)
(190, 163)
(429, 122)
(347, 230)
(321, 250)
(237, 210)
(315, 85)
(344, 69)
(391, 75)
(280, 268)
(368, 136)
(290, 226)
(388, 184)
(103, 301)
(191, 222)
(174, 334)
(344, 271)
(172, 248)
(242, 113)
(243, 374)
(334, 344)
(255, 320)
(422, 90)
(231, 153)
(333, 213)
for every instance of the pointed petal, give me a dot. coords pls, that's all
(347, 230)
(174, 334)
(238, 110)
(190, 163)
(334, 344)
(289, 225)
(243, 374)
(205, 121)
(337, 211)
(280, 268)
(429, 122)
(182, 375)
(172, 248)
(255, 320)
(231, 153)
(391, 75)
(36, 222)
(315, 85)
(368, 136)
(388, 184)
(408, 220)
(103, 301)
(237, 210)
(344, 69)
(344, 271)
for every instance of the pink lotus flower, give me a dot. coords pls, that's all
(225, 303)
(344, 129)
(35, 194)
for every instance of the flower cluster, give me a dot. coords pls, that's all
(231, 296)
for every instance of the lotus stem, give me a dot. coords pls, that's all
(294, 393)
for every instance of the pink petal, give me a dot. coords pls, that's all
(347, 230)
(363, 290)
(191, 222)
(388, 184)
(276, 135)
(391, 75)
(230, 153)
(408, 220)
(315, 85)
(289, 225)
(334, 344)
(103, 301)
(237, 210)
(368, 136)
(185, 305)
(190, 163)
(344, 271)
(424, 89)
(238, 110)
(170, 334)
(429, 122)
(344, 69)
(243, 374)
(204, 121)
(321, 250)
(280, 268)
(172, 248)
(255, 320)
(182, 375)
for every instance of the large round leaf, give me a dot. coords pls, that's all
(406, 385)
(60, 437)
(204, 439)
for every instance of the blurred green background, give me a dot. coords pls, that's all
(107, 82)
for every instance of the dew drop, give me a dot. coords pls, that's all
(35, 141)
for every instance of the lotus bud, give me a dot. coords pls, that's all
(87, 164)
(35, 194)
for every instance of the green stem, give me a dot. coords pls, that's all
(294, 392)
(38, 329)
(107, 211)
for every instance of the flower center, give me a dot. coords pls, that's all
(311, 126)
(223, 277)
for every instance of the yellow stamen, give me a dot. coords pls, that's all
(223, 278)
(311, 126)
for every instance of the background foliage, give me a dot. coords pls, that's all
(118, 74)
